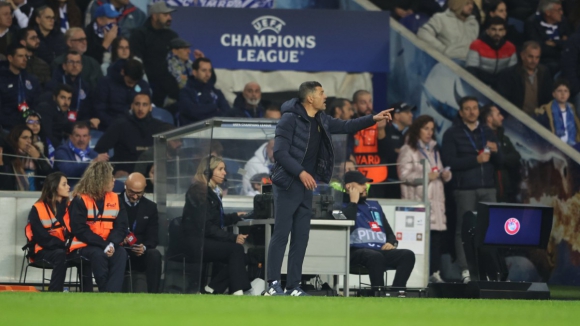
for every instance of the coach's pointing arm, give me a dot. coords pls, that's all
(338, 126)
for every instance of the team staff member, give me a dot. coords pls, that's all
(45, 229)
(144, 224)
(99, 224)
(304, 153)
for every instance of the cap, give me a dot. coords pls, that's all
(160, 8)
(356, 176)
(179, 43)
(106, 10)
(401, 107)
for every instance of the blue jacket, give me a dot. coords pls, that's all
(113, 98)
(9, 98)
(71, 169)
(83, 105)
(199, 101)
(292, 136)
(364, 234)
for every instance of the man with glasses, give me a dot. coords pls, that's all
(35, 65)
(52, 42)
(142, 236)
(76, 40)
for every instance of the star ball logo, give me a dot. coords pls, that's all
(512, 226)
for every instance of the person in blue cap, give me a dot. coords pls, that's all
(102, 31)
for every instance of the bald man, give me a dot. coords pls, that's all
(249, 104)
(143, 225)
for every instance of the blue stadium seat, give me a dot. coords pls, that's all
(414, 22)
(163, 115)
(95, 136)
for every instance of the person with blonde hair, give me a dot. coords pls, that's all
(99, 225)
(204, 223)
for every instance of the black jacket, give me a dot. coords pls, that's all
(292, 136)
(55, 123)
(51, 46)
(534, 31)
(570, 63)
(394, 140)
(7, 178)
(80, 228)
(146, 225)
(95, 47)
(458, 152)
(40, 235)
(510, 84)
(199, 101)
(239, 109)
(129, 137)
(9, 99)
(82, 96)
(507, 178)
(203, 210)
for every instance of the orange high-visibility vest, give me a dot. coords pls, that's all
(366, 152)
(101, 223)
(49, 222)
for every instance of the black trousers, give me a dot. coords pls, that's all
(150, 264)
(234, 276)
(435, 251)
(108, 271)
(378, 261)
(293, 210)
(57, 258)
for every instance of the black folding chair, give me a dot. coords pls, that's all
(43, 264)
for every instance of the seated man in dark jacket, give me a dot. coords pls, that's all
(116, 91)
(101, 31)
(58, 119)
(372, 241)
(200, 100)
(131, 135)
(249, 104)
(144, 224)
(470, 149)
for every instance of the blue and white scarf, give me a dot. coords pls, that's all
(82, 154)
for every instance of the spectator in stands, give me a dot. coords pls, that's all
(403, 8)
(498, 8)
(58, 117)
(117, 90)
(507, 176)
(68, 14)
(73, 157)
(144, 225)
(100, 242)
(21, 13)
(571, 67)
(521, 9)
(19, 90)
(370, 145)
(200, 100)
(101, 31)
(526, 85)
(119, 50)
(272, 112)
(394, 141)
(491, 53)
(19, 172)
(340, 108)
(131, 135)
(451, 32)
(6, 36)
(131, 17)
(261, 162)
(470, 149)
(203, 207)
(52, 43)
(40, 137)
(178, 60)
(551, 30)
(34, 65)
(372, 241)
(558, 115)
(249, 104)
(76, 40)
(422, 145)
(150, 43)
(70, 73)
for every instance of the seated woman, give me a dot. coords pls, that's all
(22, 161)
(39, 138)
(204, 211)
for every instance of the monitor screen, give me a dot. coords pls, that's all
(518, 226)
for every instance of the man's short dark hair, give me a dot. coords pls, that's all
(195, 65)
(496, 21)
(336, 103)
(70, 52)
(530, 44)
(485, 111)
(12, 48)
(38, 11)
(466, 99)
(307, 88)
(272, 108)
(133, 69)
(22, 34)
(359, 93)
(62, 88)
(142, 93)
(560, 82)
(80, 125)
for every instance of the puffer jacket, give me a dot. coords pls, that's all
(486, 59)
(410, 169)
(292, 136)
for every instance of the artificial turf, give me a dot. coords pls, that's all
(174, 309)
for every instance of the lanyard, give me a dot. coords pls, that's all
(250, 116)
(473, 142)
(427, 157)
(21, 90)
(78, 92)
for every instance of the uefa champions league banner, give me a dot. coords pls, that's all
(302, 40)
(547, 176)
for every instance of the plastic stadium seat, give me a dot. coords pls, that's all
(414, 22)
(163, 115)
(95, 136)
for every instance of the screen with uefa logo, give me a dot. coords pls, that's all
(514, 226)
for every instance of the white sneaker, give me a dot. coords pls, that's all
(465, 277)
(436, 278)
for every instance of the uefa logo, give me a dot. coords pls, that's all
(268, 22)
(512, 226)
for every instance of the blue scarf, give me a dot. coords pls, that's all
(79, 152)
(559, 127)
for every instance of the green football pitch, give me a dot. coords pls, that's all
(174, 309)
